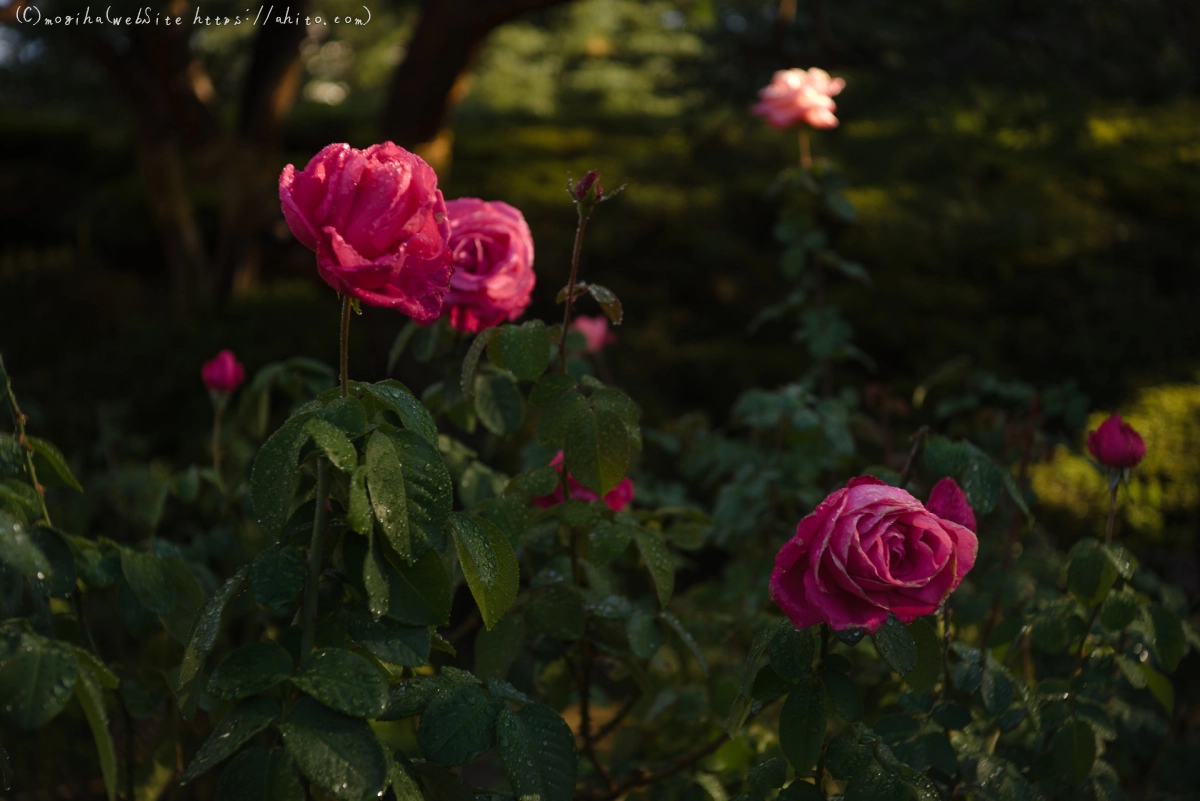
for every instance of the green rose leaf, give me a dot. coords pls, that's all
(526, 349)
(277, 576)
(791, 653)
(243, 722)
(274, 477)
(928, 669)
(332, 441)
(496, 649)
(597, 450)
(258, 774)
(92, 700)
(1090, 575)
(1169, 638)
(204, 636)
(459, 727)
(1074, 750)
(250, 670)
(537, 749)
(842, 696)
(896, 645)
(658, 562)
(343, 681)
(391, 642)
(385, 483)
(359, 515)
(802, 725)
(149, 579)
(36, 679)
(413, 415)
(471, 361)
(556, 610)
(51, 465)
(488, 563)
(498, 403)
(335, 752)
(558, 413)
(428, 489)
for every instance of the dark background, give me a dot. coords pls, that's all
(1027, 176)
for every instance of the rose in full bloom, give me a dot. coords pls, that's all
(223, 373)
(595, 332)
(868, 550)
(1116, 444)
(949, 502)
(800, 96)
(377, 222)
(617, 498)
(493, 263)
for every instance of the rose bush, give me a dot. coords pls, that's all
(458, 596)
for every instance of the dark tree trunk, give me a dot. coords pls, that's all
(446, 40)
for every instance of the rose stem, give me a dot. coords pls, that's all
(562, 347)
(345, 346)
(26, 449)
(1112, 511)
(218, 413)
(805, 154)
(315, 556)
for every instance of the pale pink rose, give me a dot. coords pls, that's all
(866, 551)
(949, 502)
(493, 263)
(1116, 444)
(617, 498)
(377, 222)
(595, 332)
(223, 373)
(800, 96)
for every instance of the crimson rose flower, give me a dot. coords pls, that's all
(1116, 444)
(377, 222)
(617, 498)
(867, 551)
(223, 373)
(493, 263)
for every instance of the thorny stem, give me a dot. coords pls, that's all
(1112, 511)
(918, 440)
(946, 651)
(622, 713)
(562, 345)
(805, 153)
(585, 718)
(316, 554)
(26, 449)
(345, 346)
(218, 414)
(643, 777)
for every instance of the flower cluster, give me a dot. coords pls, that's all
(384, 235)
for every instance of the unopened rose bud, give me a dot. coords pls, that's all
(1116, 444)
(580, 192)
(223, 373)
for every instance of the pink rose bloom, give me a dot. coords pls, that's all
(595, 331)
(377, 222)
(617, 498)
(949, 502)
(493, 264)
(866, 551)
(800, 96)
(1116, 444)
(223, 373)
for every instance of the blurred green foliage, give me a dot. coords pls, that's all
(1027, 179)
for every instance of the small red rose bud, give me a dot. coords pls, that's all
(223, 373)
(580, 192)
(1115, 444)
